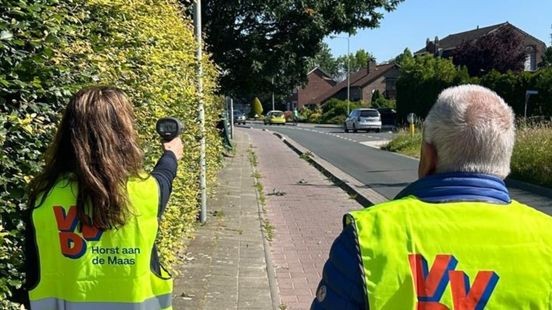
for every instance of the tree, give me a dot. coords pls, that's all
(379, 101)
(325, 60)
(357, 61)
(501, 50)
(547, 58)
(256, 40)
(257, 107)
(421, 79)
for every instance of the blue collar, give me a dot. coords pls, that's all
(457, 186)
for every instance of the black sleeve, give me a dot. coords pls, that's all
(164, 173)
(31, 258)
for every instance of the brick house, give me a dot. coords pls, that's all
(445, 47)
(318, 82)
(363, 83)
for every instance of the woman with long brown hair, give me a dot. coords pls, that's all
(94, 216)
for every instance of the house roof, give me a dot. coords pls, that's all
(357, 79)
(321, 70)
(323, 74)
(453, 40)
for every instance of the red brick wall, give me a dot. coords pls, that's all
(316, 85)
(380, 84)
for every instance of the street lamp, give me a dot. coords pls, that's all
(201, 113)
(348, 37)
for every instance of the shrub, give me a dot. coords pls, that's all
(31, 97)
(532, 157)
(405, 143)
(335, 111)
(257, 107)
(56, 47)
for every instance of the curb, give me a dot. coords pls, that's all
(366, 196)
(363, 195)
(274, 295)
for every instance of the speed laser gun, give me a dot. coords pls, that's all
(169, 128)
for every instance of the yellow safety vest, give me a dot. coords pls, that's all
(86, 268)
(461, 255)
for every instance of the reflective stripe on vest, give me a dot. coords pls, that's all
(85, 268)
(158, 302)
(462, 255)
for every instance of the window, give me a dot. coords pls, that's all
(530, 58)
(369, 113)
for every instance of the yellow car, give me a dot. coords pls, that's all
(275, 117)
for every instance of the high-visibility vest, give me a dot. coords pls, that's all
(461, 255)
(86, 268)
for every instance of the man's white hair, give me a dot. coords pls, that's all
(472, 129)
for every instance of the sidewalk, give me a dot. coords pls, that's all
(226, 265)
(305, 210)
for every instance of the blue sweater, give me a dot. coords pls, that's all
(342, 286)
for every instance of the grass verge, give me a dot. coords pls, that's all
(531, 159)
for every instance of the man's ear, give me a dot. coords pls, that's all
(428, 160)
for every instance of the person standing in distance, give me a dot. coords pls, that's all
(94, 212)
(454, 239)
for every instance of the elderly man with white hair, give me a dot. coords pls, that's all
(454, 239)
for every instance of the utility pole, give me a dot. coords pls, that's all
(201, 113)
(348, 72)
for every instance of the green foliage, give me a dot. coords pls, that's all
(421, 80)
(311, 115)
(406, 143)
(257, 40)
(325, 60)
(547, 58)
(31, 96)
(51, 48)
(500, 50)
(335, 111)
(379, 101)
(356, 61)
(512, 86)
(532, 157)
(337, 67)
(148, 50)
(257, 109)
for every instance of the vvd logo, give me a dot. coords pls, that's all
(431, 285)
(73, 245)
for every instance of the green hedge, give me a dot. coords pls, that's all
(335, 111)
(51, 48)
(422, 78)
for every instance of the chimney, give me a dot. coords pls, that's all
(436, 46)
(428, 46)
(371, 66)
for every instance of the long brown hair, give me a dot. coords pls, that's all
(96, 145)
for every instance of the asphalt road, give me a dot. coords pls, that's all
(358, 155)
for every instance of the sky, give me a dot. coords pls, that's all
(416, 20)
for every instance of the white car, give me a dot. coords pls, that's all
(363, 119)
(239, 117)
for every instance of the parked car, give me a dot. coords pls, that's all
(239, 117)
(363, 119)
(388, 117)
(275, 117)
